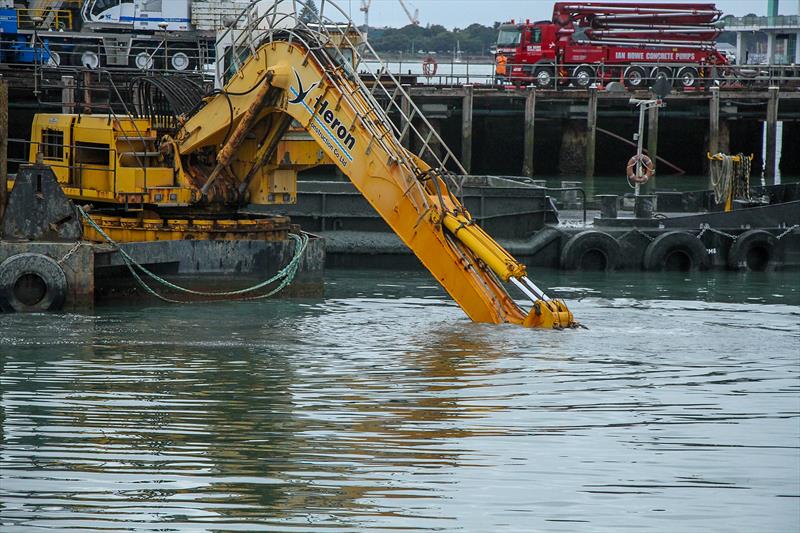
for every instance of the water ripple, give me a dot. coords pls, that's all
(382, 408)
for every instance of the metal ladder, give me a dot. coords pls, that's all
(385, 108)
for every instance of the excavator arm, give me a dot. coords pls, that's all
(301, 79)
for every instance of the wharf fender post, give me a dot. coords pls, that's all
(652, 147)
(466, 128)
(770, 161)
(3, 147)
(528, 146)
(591, 136)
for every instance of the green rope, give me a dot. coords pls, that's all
(286, 275)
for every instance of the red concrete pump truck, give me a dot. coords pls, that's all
(632, 43)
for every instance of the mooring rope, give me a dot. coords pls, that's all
(721, 177)
(286, 275)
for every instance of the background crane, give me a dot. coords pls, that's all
(365, 5)
(413, 18)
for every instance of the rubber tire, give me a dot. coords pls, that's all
(665, 72)
(643, 80)
(51, 273)
(747, 242)
(693, 72)
(549, 70)
(665, 245)
(590, 78)
(574, 252)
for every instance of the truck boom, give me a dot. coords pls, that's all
(586, 42)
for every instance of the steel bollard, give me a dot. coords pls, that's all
(608, 205)
(644, 206)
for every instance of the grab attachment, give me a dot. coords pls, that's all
(545, 312)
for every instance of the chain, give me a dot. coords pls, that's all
(706, 227)
(782, 235)
(71, 251)
(643, 234)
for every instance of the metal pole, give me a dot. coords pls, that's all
(652, 145)
(640, 144)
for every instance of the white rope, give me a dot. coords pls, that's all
(721, 170)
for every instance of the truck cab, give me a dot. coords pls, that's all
(529, 48)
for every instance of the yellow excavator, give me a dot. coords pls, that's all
(278, 73)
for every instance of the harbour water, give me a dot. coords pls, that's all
(381, 407)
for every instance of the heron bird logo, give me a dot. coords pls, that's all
(301, 94)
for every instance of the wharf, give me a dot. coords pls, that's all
(504, 130)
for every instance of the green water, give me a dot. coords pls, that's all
(381, 407)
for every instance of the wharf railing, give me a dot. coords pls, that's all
(633, 75)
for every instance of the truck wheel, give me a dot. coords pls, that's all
(663, 73)
(544, 77)
(688, 77)
(635, 77)
(583, 76)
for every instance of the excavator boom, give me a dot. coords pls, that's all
(303, 71)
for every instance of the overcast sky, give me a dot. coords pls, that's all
(461, 13)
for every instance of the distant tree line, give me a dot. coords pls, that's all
(475, 39)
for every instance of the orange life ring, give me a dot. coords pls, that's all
(429, 66)
(640, 161)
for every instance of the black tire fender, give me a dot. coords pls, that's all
(44, 272)
(755, 249)
(676, 250)
(590, 250)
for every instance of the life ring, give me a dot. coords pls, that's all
(755, 249)
(429, 66)
(676, 250)
(643, 161)
(590, 250)
(30, 283)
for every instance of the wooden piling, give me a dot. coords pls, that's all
(87, 92)
(67, 94)
(591, 134)
(405, 108)
(466, 128)
(652, 147)
(713, 125)
(713, 121)
(530, 115)
(770, 161)
(3, 147)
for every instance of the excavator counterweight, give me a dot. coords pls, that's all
(276, 66)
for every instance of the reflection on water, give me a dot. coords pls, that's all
(381, 407)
